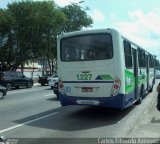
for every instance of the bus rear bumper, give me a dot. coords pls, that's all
(119, 101)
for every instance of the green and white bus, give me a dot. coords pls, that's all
(102, 68)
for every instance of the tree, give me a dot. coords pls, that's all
(34, 27)
(5, 36)
(28, 30)
(77, 18)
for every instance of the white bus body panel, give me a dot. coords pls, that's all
(114, 67)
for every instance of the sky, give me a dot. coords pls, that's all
(137, 20)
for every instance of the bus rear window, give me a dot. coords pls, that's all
(87, 47)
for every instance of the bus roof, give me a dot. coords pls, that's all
(110, 30)
(85, 32)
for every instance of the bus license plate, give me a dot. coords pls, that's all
(88, 102)
(87, 89)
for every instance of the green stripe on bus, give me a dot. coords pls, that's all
(130, 75)
(106, 77)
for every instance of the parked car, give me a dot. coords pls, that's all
(55, 89)
(3, 92)
(44, 79)
(11, 79)
(52, 80)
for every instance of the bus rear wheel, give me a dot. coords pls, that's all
(151, 89)
(139, 101)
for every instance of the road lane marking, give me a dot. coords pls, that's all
(20, 91)
(12, 92)
(31, 121)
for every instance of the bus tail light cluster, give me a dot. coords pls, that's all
(61, 84)
(116, 86)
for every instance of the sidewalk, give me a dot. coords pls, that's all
(149, 126)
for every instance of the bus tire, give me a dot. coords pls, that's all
(153, 82)
(139, 101)
(151, 89)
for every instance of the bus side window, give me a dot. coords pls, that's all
(128, 55)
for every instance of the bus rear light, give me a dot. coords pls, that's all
(115, 91)
(116, 86)
(61, 85)
(117, 81)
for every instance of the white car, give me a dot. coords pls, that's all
(52, 80)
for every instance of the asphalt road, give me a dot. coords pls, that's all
(36, 113)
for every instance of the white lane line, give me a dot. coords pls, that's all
(49, 95)
(12, 92)
(31, 121)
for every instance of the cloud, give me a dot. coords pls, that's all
(143, 29)
(97, 16)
